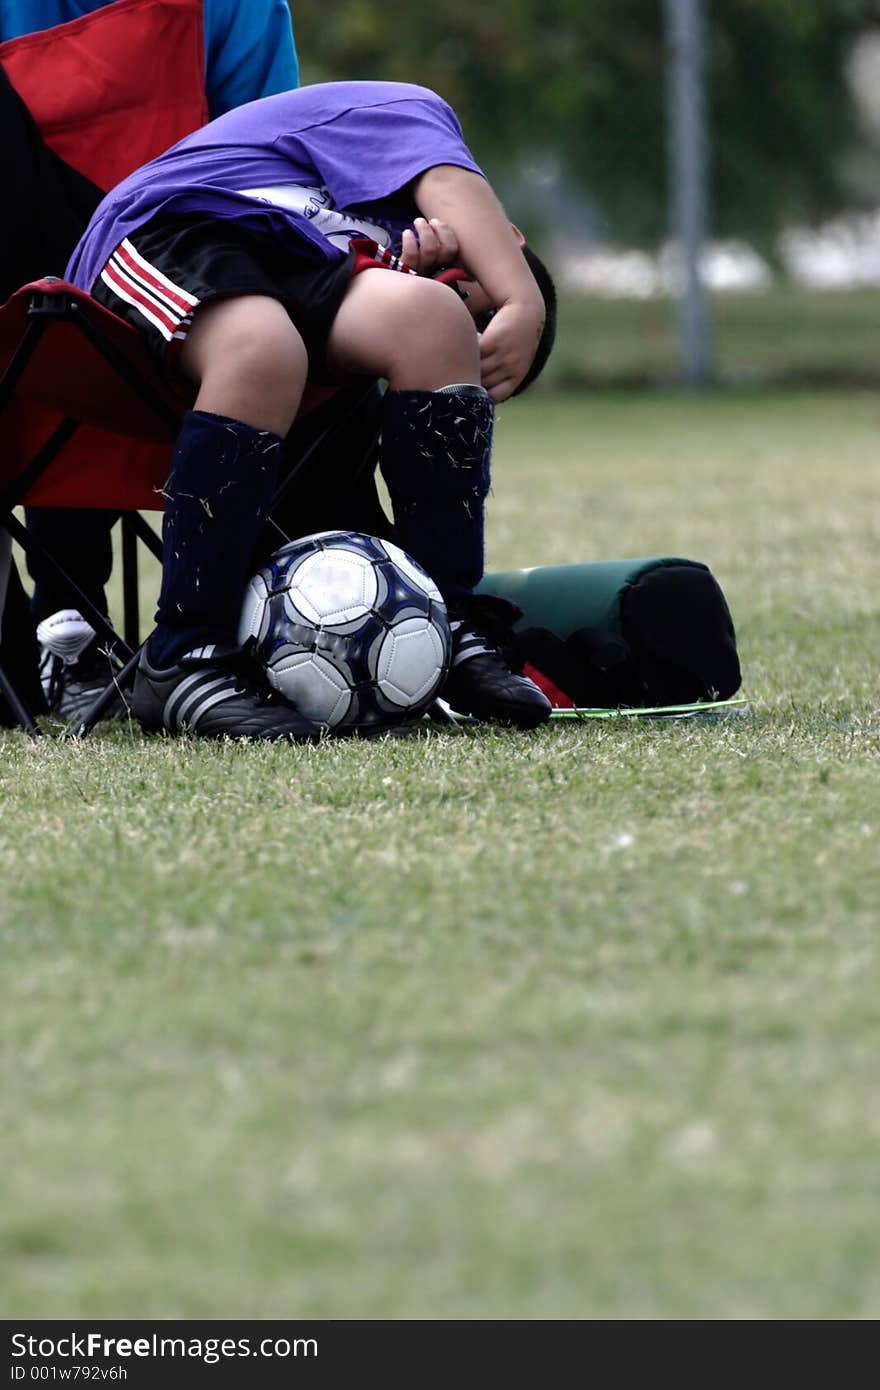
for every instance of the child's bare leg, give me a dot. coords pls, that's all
(415, 333)
(250, 366)
(248, 360)
(435, 458)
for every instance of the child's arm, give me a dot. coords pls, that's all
(491, 253)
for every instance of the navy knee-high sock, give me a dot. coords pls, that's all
(435, 459)
(217, 498)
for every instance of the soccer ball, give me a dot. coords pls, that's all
(350, 629)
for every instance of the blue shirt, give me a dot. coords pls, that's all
(249, 48)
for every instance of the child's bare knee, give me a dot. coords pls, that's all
(249, 361)
(274, 353)
(436, 340)
(257, 335)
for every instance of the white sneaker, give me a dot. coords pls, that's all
(73, 670)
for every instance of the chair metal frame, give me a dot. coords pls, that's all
(53, 302)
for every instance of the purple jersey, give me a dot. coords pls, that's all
(358, 142)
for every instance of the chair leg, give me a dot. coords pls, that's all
(130, 604)
(99, 622)
(82, 727)
(19, 709)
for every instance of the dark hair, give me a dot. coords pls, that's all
(548, 334)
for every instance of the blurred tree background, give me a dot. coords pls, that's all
(564, 104)
(578, 86)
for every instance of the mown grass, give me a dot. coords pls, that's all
(573, 1024)
(783, 336)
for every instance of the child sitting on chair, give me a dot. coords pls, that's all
(238, 254)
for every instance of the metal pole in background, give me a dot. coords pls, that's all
(688, 164)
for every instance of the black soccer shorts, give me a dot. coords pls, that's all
(158, 277)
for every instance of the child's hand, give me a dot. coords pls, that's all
(431, 245)
(508, 345)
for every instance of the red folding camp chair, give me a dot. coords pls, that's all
(87, 420)
(104, 111)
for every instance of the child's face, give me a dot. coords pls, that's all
(479, 305)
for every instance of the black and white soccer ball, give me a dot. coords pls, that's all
(350, 629)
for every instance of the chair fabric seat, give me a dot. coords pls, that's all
(119, 456)
(67, 377)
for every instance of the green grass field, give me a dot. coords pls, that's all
(783, 337)
(579, 1024)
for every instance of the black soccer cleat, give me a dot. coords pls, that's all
(481, 680)
(216, 692)
(74, 667)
